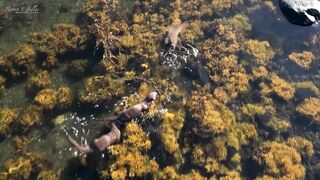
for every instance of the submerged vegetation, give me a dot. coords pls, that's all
(227, 108)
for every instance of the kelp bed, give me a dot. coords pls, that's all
(246, 107)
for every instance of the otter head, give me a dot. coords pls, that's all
(151, 97)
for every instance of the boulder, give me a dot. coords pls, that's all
(301, 12)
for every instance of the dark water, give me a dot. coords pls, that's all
(81, 122)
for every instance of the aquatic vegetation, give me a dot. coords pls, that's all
(260, 52)
(279, 160)
(307, 85)
(100, 88)
(19, 63)
(23, 165)
(171, 126)
(278, 125)
(130, 158)
(2, 83)
(47, 175)
(302, 145)
(7, 116)
(212, 116)
(19, 168)
(240, 23)
(303, 59)
(280, 87)
(260, 72)
(38, 82)
(220, 6)
(310, 108)
(78, 67)
(46, 98)
(64, 38)
(31, 115)
(63, 98)
(244, 132)
(252, 110)
(170, 172)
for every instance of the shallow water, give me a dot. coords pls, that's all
(181, 65)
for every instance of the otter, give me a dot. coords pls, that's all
(118, 122)
(173, 33)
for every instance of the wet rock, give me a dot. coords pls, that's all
(301, 12)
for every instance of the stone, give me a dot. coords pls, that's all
(301, 12)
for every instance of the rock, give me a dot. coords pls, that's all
(301, 12)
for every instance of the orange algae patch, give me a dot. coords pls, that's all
(280, 87)
(303, 59)
(303, 146)
(171, 125)
(38, 82)
(310, 108)
(130, 159)
(212, 116)
(7, 116)
(260, 51)
(279, 161)
(220, 6)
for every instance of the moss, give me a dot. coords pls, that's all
(310, 108)
(7, 116)
(38, 82)
(259, 51)
(280, 161)
(303, 59)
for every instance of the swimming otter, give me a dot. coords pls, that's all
(173, 33)
(104, 141)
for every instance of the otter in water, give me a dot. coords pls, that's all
(173, 33)
(104, 141)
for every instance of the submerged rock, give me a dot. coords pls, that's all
(301, 12)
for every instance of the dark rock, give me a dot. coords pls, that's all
(301, 12)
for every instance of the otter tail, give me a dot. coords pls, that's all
(83, 149)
